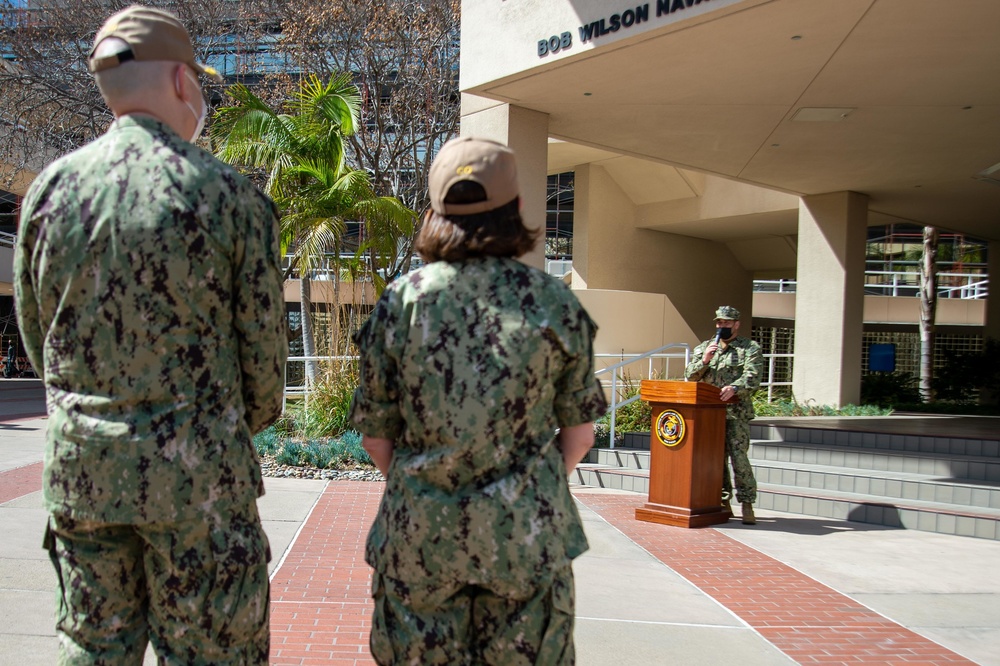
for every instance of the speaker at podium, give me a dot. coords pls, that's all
(687, 451)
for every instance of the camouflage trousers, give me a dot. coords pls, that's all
(737, 445)
(465, 624)
(197, 590)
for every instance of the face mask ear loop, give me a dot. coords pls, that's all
(198, 117)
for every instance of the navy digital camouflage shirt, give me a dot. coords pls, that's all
(737, 363)
(470, 367)
(149, 298)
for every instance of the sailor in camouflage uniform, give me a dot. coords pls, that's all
(469, 365)
(149, 298)
(735, 365)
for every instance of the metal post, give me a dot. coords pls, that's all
(614, 406)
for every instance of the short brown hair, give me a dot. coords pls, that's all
(496, 233)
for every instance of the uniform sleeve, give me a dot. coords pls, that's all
(375, 408)
(695, 370)
(753, 368)
(579, 396)
(25, 296)
(259, 310)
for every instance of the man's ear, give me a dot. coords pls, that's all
(179, 82)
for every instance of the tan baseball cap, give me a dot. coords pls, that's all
(486, 162)
(152, 34)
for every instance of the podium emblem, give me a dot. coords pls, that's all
(670, 427)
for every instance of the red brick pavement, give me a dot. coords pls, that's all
(321, 609)
(806, 620)
(320, 603)
(21, 481)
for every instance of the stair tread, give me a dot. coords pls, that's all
(876, 473)
(881, 500)
(611, 469)
(875, 451)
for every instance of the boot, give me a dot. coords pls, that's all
(748, 517)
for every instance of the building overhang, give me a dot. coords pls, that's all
(895, 99)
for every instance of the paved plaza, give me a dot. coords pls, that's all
(792, 589)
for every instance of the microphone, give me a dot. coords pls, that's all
(718, 335)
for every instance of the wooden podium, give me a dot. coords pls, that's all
(687, 450)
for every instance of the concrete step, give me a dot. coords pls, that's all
(890, 485)
(915, 514)
(620, 457)
(616, 478)
(966, 467)
(952, 446)
(910, 514)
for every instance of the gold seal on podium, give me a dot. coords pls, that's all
(670, 427)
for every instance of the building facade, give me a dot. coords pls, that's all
(716, 142)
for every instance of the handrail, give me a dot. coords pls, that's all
(8, 240)
(900, 284)
(628, 360)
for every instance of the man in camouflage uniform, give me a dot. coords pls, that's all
(469, 365)
(735, 365)
(149, 298)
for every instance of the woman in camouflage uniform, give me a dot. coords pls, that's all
(469, 366)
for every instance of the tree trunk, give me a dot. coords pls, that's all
(308, 337)
(335, 323)
(928, 309)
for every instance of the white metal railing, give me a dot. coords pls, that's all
(305, 388)
(900, 284)
(770, 383)
(617, 380)
(7, 240)
(558, 267)
(629, 359)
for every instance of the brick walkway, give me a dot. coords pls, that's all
(320, 609)
(320, 603)
(20, 481)
(806, 620)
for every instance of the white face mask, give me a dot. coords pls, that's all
(198, 117)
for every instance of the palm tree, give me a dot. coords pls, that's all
(302, 154)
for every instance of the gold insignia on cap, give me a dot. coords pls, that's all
(464, 170)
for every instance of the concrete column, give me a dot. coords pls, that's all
(829, 303)
(526, 132)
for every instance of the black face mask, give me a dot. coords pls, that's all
(724, 333)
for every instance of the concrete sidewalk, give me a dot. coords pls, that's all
(645, 593)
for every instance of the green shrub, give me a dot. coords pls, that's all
(319, 454)
(786, 407)
(963, 374)
(350, 444)
(601, 436)
(633, 417)
(323, 413)
(291, 453)
(267, 441)
(889, 388)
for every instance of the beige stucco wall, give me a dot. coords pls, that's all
(883, 309)
(610, 252)
(526, 133)
(500, 39)
(322, 291)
